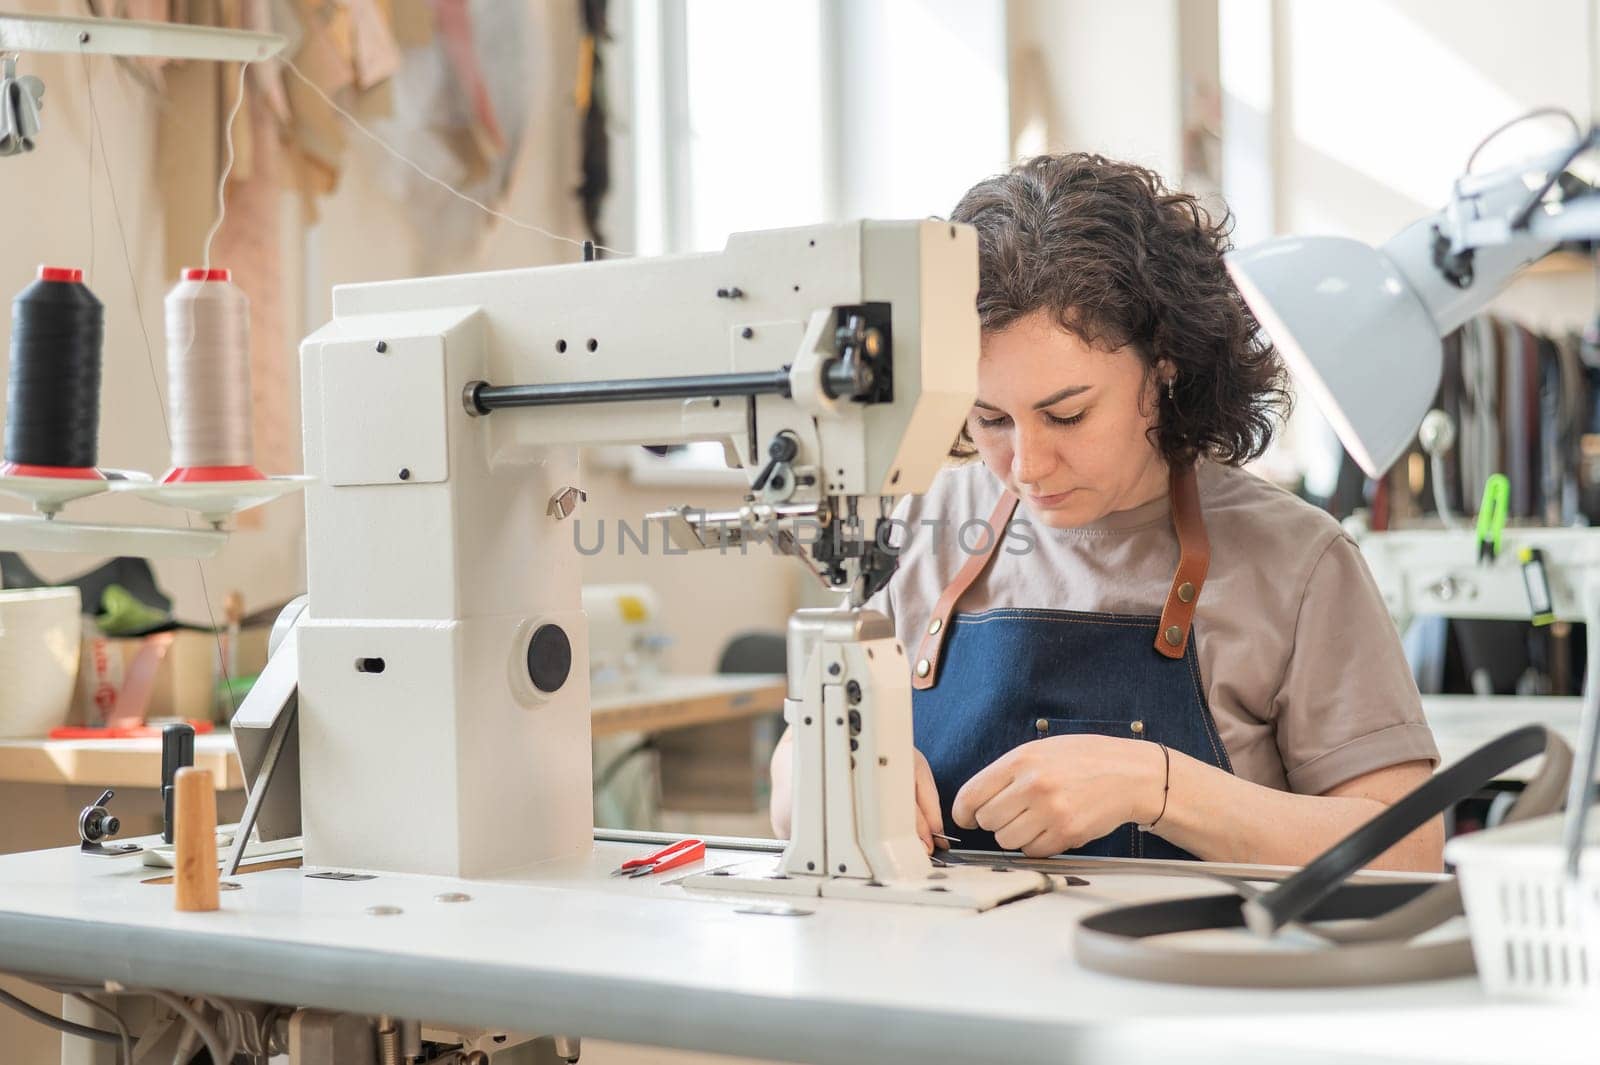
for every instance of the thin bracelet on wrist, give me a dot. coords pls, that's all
(1166, 785)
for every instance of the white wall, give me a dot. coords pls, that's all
(1382, 101)
(1377, 106)
(921, 104)
(1111, 72)
(1385, 99)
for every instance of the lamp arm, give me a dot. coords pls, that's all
(1459, 259)
(1520, 218)
(1495, 224)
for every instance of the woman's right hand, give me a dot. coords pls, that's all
(929, 819)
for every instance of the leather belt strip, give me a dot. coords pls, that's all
(1378, 950)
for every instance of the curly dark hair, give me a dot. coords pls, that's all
(1121, 260)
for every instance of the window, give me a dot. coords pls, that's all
(746, 116)
(763, 115)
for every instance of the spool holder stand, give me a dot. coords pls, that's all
(215, 502)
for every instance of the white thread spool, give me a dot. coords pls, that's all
(208, 379)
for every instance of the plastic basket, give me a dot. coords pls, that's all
(1535, 933)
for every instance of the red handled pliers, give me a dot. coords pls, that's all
(680, 853)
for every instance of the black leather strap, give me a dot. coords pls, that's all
(1377, 950)
(1170, 916)
(1293, 899)
(1125, 942)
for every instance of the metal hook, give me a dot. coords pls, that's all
(10, 61)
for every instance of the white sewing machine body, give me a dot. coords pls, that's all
(443, 688)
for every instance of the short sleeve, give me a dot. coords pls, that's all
(1348, 704)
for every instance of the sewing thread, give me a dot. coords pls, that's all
(53, 383)
(208, 376)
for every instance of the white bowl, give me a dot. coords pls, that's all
(40, 633)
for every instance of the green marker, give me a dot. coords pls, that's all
(1492, 515)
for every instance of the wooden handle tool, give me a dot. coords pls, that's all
(195, 839)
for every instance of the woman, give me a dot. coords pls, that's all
(1174, 658)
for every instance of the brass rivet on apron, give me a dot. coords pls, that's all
(1138, 728)
(1174, 635)
(1186, 592)
(1043, 725)
(923, 667)
(935, 625)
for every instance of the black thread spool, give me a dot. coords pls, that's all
(53, 387)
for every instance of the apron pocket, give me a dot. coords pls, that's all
(1125, 840)
(1137, 729)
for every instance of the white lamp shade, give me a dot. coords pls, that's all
(1355, 336)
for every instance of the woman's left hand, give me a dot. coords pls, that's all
(1050, 795)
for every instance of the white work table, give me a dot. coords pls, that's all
(561, 949)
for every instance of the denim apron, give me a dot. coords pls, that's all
(989, 682)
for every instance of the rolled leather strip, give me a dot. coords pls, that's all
(1118, 942)
(1378, 950)
(1322, 876)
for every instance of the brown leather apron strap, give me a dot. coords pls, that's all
(926, 672)
(1194, 559)
(1177, 616)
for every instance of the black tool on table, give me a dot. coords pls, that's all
(96, 825)
(177, 752)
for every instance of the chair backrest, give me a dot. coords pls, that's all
(755, 652)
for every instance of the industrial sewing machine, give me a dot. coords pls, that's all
(441, 661)
(432, 701)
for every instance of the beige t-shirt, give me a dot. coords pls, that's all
(1303, 668)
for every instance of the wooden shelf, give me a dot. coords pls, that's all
(666, 702)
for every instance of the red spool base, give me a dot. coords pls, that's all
(206, 474)
(120, 732)
(63, 473)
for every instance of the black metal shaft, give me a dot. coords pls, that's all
(487, 397)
